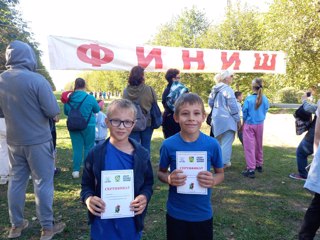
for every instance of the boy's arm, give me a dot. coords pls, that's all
(88, 179)
(218, 176)
(208, 180)
(148, 182)
(176, 178)
(94, 203)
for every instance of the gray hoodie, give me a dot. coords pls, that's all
(225, 113)
(26, 98)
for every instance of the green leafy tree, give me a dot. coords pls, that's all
(186, 30)
(13, 27)
(293, 27)
(242, 29)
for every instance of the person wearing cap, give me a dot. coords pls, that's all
(225, 114)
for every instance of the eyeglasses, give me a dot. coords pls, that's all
(117, 123)
(177, 78)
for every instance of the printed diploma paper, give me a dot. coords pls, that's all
(191, 163)
(117, 192)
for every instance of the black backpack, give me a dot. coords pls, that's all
(75, 121)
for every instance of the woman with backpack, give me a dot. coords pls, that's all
(82, 138)
(171, 93)
(225, 114)
(142, 96)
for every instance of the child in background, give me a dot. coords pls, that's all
(239, 100)
(189, 216)
(255, 108)
(116, 153)
(101, 126)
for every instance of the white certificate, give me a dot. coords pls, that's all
(117, 192)
(191, 163)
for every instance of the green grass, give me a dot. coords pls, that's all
(271, 206)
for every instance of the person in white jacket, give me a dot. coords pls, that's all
(311, 221)
(225, 114)
(4, 157)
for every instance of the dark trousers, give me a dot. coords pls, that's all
(169, 126)
(304, 150)
(183, 230)
(311, 221)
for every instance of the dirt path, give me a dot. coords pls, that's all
(279, 130)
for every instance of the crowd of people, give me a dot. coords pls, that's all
(191, 162)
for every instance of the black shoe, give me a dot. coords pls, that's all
(57, 171)
(249, 173)
(259, 169)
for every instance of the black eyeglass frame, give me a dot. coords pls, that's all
(119, 122)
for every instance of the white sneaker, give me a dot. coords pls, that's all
(75, 174)
(228, 164)
(3, 180)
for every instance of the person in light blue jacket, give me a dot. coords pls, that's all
(255, 108)
(225, 114)
(82, 141)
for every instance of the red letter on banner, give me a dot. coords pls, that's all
(95, 59)
(155, 54)
(187, 59)
(264, 65)
(226, 63)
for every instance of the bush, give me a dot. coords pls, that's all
(288, 95)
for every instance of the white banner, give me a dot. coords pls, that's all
(68, 53)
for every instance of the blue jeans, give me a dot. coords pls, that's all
(143, 137)
(304, 149)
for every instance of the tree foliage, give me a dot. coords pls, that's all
(291, 26)
(13, 27)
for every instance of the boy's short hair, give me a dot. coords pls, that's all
(190, 98)
(121, 103)
(237, 94)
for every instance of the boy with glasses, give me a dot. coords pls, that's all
(118, 152)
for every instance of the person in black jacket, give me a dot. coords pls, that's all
(169, 125)
(118, 152)
(305, 147)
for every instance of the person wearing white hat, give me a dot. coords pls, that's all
(225, 114)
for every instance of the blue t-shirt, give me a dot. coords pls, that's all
(189, 207)
(121, 228)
